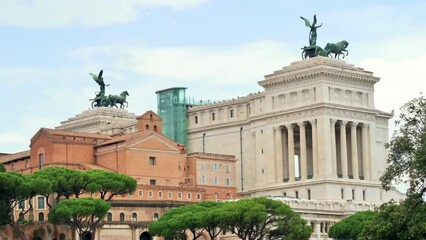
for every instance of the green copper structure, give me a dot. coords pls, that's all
(101, 100)
(172, 108)
(338, 49)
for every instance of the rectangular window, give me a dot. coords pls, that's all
(179, 195)
(21, 204)
(150, 194)
(353, 194)
(342, 193)
(227, 168)
(198, 196)
(196, 119)
(215, 167)
(228, 181)
(213, 116)
(41, 160)
(40, 202)
(297, 194)
(160, 194)
(170, 195)
(363, 195)
(152, 182)
(203, 179)
(309, 194)
(140, 193)
(231, 113)
(215, 180)
(189, 196)
(152, 161)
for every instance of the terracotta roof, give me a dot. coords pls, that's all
(125, 137)
(14, 156)
(136, 135)
(75, 134)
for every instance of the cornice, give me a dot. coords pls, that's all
(306, 112)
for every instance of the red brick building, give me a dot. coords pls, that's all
(166, 175)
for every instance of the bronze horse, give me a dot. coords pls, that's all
(120, 99)
(338, 49)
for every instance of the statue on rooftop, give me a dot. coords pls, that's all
(338, 49)
(101, 100)
(313, 32)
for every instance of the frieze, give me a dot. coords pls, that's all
(313, 113)
(310, 80)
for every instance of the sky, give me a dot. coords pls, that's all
(218, 49)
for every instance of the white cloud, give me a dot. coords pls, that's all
(241, 64)
(89, 13)
(400, 81)
(13, 142)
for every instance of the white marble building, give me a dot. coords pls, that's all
(312, 134)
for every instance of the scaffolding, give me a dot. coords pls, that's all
(172, 108)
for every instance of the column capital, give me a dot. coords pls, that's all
(354, 124)
(343, 123)
(301, 124)
(277, 128)
(333, 121)
(365, 126)
(313, 122)
(288, 126)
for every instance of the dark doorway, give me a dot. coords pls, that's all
(87, 236)
(145, 236)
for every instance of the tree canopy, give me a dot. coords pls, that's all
(351, 227)
(407, 163)
(250, 219)
(82, 214)
(407, 149)
(110, 184)
(403, 221)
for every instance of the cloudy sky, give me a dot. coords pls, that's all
(219, 49)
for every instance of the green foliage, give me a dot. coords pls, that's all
(402, 221)
(407, 162)
(64, 182)
(4, 212)
(352, 226)
(110, 184)
(82, 214)
(62, 236)
(407, 149)
(38, 233)
(252, 218)
(2, 168)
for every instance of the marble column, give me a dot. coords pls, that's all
(314, 148)
(279, 155)
(290, 152)
(354, 149)
(343, 151)
(365, 151)
(303, 156)
(333, 146)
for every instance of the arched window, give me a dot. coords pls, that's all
(155, 127)
(41, 160)
(134, 217)
(109, 217)
(155, 216)
(121, 217)
(150, 117)
(147, 127)
(41, 217)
